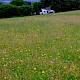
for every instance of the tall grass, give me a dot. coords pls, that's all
(45, 47)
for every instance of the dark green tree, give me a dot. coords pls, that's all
(46, 3)
(8, 10)
(17, 2)
(0, 3)
(56, 5)
(61, 5)
(24, 10)
(36, 6)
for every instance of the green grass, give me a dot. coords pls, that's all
(45, 47)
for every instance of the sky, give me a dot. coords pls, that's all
(24, 0)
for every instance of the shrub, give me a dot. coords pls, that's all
(9, 10)
(24, 10)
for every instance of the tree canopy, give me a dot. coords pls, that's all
(17, 2)
(61, 5)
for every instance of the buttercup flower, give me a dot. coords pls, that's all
(42, 72)
(34, 69)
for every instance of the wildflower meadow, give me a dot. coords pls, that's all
(40, 47)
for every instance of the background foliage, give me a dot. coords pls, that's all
(23, 8)
(36, 6)
(61, 5)
(12, 9)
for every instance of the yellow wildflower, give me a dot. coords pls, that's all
(42, 72)
(34, 69)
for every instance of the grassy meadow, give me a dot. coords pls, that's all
(43, 47)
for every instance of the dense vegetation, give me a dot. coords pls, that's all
(9, 10)
(45, 47)
(61, 5)
(36, 7)
(15, 8)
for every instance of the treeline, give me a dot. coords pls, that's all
(23, 8)
(61, 5)
(15, 8)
